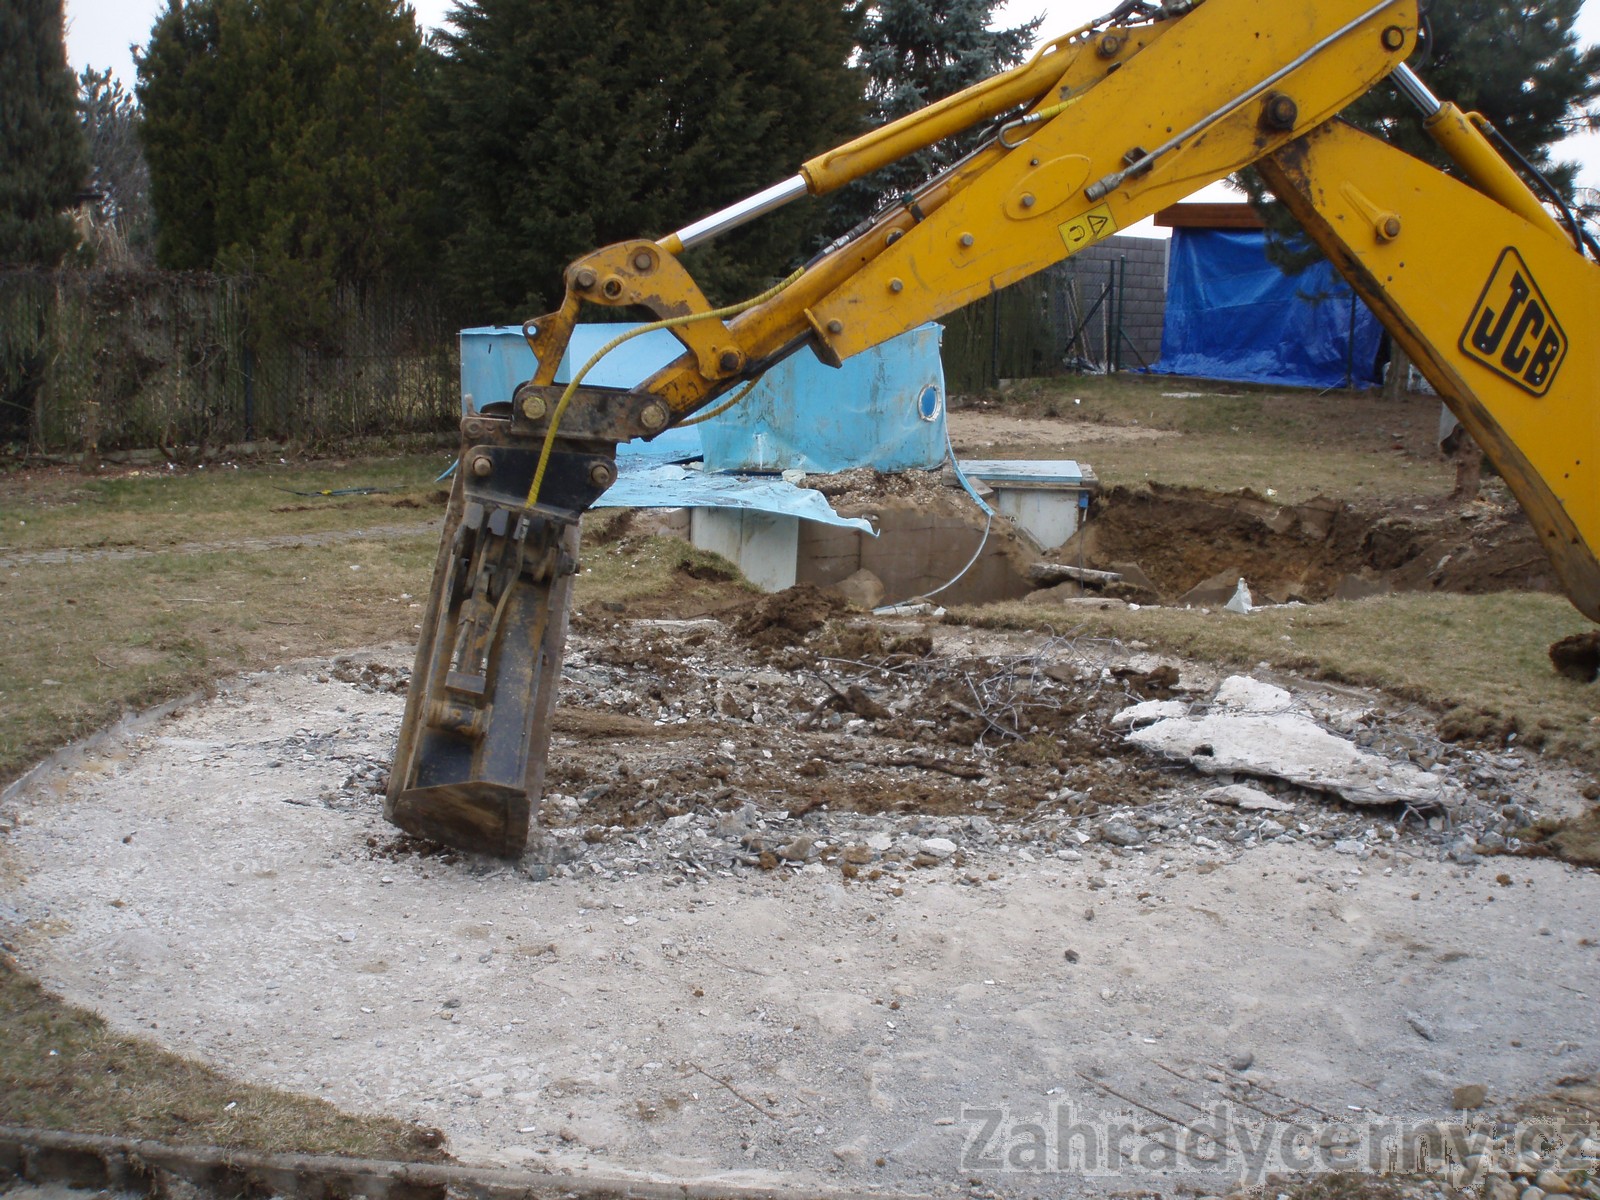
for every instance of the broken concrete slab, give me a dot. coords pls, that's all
(1048, 574)
(1254, 729)
(1243, 796)
(1148, 712)
(1241, 693)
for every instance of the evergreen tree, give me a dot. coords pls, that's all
(285, 138)
(43, 165)
(565, 125)
(118, 174)
(184, 97)
(915, 52)
(1518, 62)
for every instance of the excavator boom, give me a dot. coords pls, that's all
(1473, 277)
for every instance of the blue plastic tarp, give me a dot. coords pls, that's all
(496, 358)
(884, 408)
(1231, 314)
(663, 485)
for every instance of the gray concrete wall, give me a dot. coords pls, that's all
(1056, 320)
(1076, 285)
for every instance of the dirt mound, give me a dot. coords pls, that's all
(784, 618)
(1578, 657)
(1575, 840)
(1314, 551)
(1477, 725)
(870, 642)
(861, 485)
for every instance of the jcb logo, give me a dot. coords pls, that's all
(1512, 330)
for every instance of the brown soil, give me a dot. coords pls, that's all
(1476, 726)
(1575, 840)
(862, 485)
(784, 618)
(1182, 537)
(1578, 657)
(863, 717)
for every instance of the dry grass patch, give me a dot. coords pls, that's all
(60, 1068)
(81, 643)
(155, 506)
(1356, 446)
(1478, 653)
(643, 576)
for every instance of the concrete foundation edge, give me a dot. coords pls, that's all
(86, 1160)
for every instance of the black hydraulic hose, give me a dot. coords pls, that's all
(1579, 233)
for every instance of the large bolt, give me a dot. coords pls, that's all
(534, 408)
(967, 239)
(896, 286)
(1109, 46)
(1027, 200)
(583, 279)
(1389, 228)
(482, 466)
(1281, 111)
(602, 475)
(643, 262)
(836, 326)
(653, 415)
(729, 362)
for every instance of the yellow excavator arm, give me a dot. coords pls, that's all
(1486, 291)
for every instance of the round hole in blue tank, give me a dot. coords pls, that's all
(929, 403)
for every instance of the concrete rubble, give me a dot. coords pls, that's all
(1255, 729)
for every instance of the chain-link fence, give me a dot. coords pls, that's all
(131, 359)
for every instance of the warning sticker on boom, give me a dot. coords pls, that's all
(1093, 226)
(1512, 330)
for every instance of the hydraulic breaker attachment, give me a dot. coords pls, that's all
(470, 763)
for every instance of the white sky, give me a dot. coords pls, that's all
(100, 33)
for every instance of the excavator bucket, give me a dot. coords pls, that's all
(470, 763)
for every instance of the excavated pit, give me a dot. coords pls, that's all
(1175, 546)
(1186, 546)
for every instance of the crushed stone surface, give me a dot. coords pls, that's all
(854, 906)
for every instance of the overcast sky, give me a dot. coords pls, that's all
(100, 33)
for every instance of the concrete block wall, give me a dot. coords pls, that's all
(916, 550)
(1079, 282)
(1033, 326)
